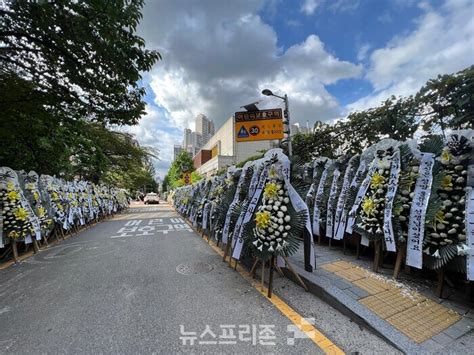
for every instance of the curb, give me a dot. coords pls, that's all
(348, 306)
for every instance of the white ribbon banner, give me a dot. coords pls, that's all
(205, 214)
(389, 198)
(317, 201)
(360, 195)
(416, 225)
(331, 202)
(1, 231)
(470, 223)
(341, 215)
(225, 231)
(245, 217)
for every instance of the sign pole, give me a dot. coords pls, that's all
(287, 116)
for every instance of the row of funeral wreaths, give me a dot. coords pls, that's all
(32, 205)
(415, 197)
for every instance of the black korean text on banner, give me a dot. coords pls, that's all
(416, 225)
(340, 218)
(389, 198)
(317, 202)
(331, 202)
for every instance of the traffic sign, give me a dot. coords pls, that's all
(188, 180)
(259, 125)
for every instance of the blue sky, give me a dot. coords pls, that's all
(330, 56)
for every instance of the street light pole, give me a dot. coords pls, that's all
(286, 114)
(287, 117)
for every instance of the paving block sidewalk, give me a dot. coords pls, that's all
(405, 312)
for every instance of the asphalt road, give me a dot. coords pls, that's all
(144, 282)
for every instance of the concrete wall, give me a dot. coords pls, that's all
(211, 166)
(229, 151)
(224, 138)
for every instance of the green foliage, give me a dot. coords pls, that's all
(445, 102)
(252, 158)
(321, 142)
(81, 58)
(69, 70)
(195, 176)
(182, 163)
(448, 101)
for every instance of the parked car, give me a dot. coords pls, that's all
(151, 198)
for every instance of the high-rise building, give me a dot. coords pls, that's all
(193, 141)
(189, 141)
(177, 149)
(205, 128)
(297, 128)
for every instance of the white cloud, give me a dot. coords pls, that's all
(443, 42)
(151, 133)
(309, 6)
(217, 56)
(363, 51)
(343, 5)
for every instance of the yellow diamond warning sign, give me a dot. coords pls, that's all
(259, 125)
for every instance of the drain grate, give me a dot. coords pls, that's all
(194, 268)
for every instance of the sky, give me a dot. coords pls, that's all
(331, 57)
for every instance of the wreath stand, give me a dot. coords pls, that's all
(15, 251)
(401, 254)
(378, 255)
(273, 266)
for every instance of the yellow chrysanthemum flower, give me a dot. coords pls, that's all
(446, 156)
(447, 181)
(439, 217)
(20, 214)
(13, 196)
(36, 196)
(377, 181)
(54, 196)
(41, 212)
(270, 191)
(369, 206)
(30, 186)
(60, 207)
(13, 235)
(262, 219)
(10, 186)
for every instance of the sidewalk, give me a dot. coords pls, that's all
(406, 312)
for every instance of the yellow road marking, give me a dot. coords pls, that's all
(324, 343)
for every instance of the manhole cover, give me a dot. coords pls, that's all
(194, 268)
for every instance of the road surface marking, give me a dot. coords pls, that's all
(324, 343)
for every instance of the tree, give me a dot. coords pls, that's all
(324, 140)
(183, 163)
(68, 71)
(82, 57)
(448, 101)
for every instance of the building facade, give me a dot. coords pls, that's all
(194, 141)
(177, 149)
(204, 127)
(222, 150)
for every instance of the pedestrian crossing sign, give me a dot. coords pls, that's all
(243, 133)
